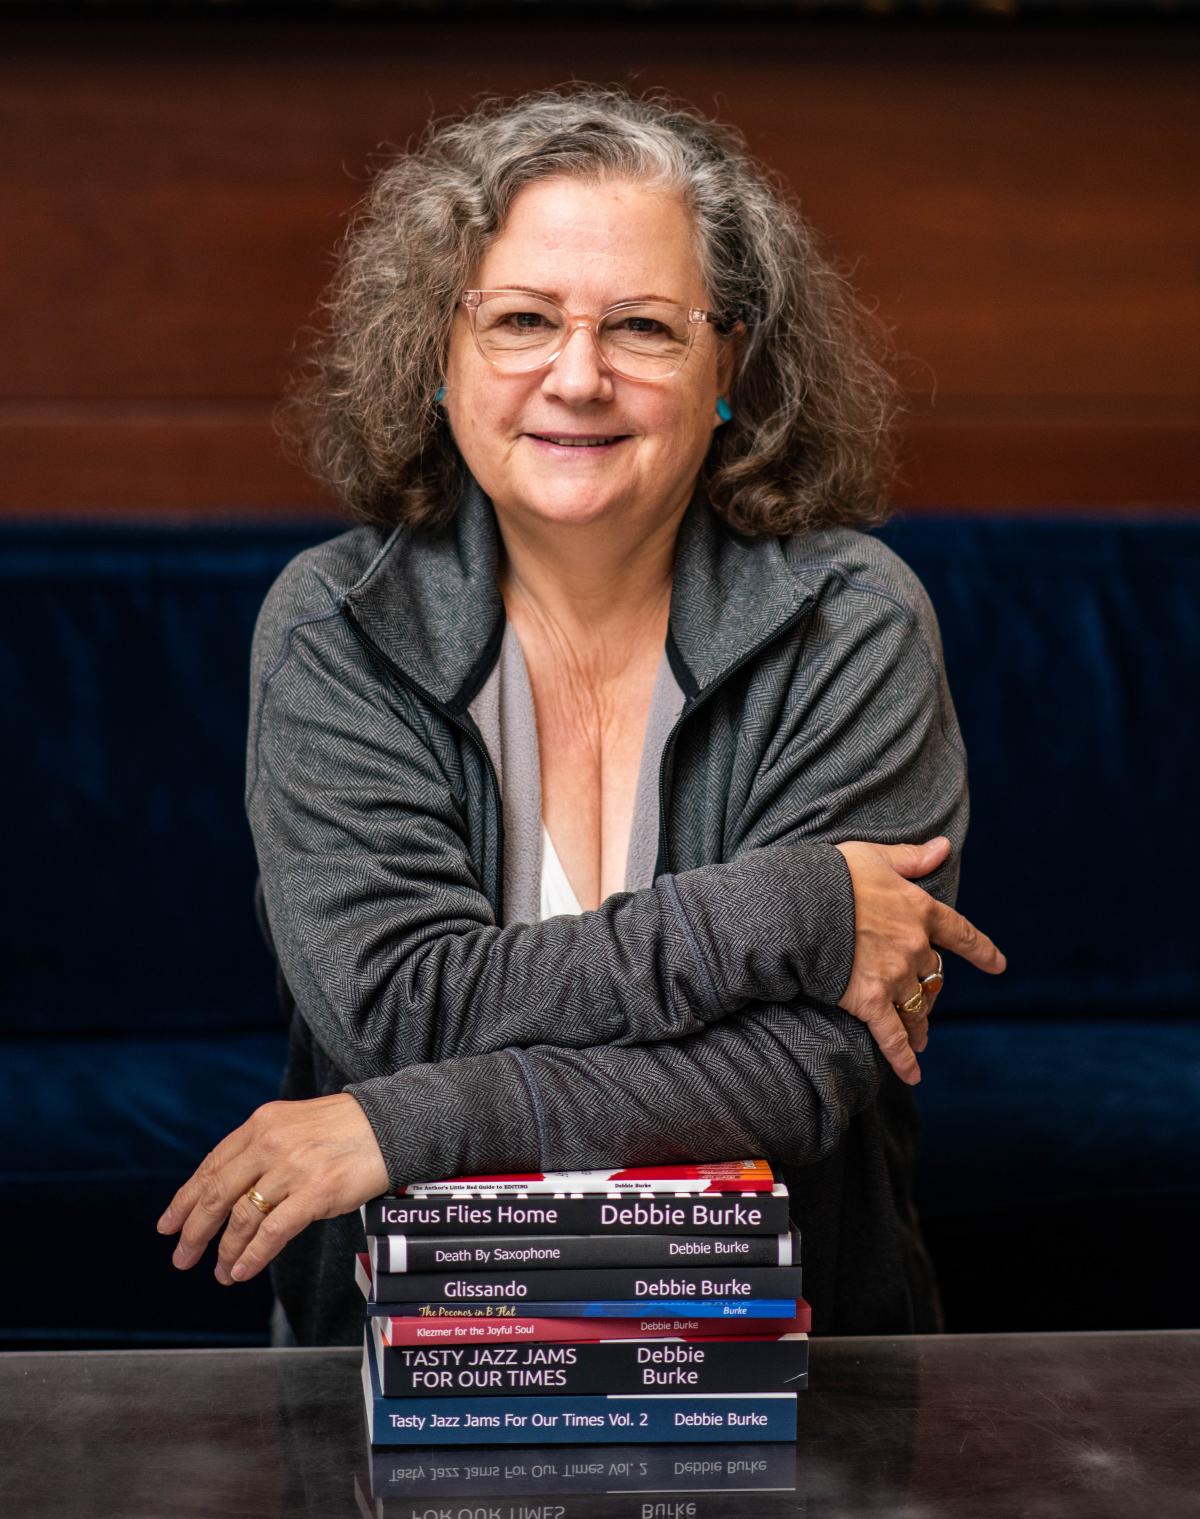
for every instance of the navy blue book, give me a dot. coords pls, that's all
(578, 1420)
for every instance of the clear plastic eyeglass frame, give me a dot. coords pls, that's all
(696, 317)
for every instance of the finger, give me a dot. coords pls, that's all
(219, 1190)
(245, 1219)
(188, 1195)
(950, 930)
(282, 1224)
(916, 1023)
(915, 860)
(888, 1031)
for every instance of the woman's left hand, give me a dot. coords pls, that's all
(307, 1160)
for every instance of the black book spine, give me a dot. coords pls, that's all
(617, 1283)
(403, 1253)
(615, 1367)
(549, 1213)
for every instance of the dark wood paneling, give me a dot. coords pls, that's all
(1018, 202)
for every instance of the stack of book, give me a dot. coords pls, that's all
(654, 1304)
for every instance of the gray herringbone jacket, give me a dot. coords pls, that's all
(695, 1018)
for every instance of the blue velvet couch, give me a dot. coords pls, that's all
(138, 1023)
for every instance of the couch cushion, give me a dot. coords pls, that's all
(1059, 1177)
(95, 1136)
(1073, 652)
(124, 657)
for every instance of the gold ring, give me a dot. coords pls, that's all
(934, 981)
(259, 1200)
(914, 1005)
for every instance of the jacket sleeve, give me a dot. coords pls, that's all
(780, 1078)
(387, 940)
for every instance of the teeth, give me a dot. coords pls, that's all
(579, 442)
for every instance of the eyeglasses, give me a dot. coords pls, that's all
(516, 331)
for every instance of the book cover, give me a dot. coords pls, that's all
(403, 1252)
(453, 1330)
(632, 1418)
(582, 1308)
(607, 1283)
(711, 1176)
(524, 1213)
(752, 1364)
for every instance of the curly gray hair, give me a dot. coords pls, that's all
(811, 442)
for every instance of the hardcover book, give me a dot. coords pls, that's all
(585, 1308)
(582, 1419)
(752, 1364)
(403, 1252)
(454, 1330)
(709, 1176)
(526, 1212)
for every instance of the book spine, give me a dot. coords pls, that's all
(754, 1213)
(734, 1176)
(681, 1283)
(412, 1331)
(702, 1308)
(404, 1253)
(615, 1366)
(582, 1420)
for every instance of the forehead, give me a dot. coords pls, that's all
(577, 240)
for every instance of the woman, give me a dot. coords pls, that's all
(584, 777)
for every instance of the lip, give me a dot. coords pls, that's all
(542, 442)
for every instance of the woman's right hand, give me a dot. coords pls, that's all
(898, 930)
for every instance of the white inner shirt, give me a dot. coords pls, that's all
(558, 896)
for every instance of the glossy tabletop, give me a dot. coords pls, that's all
(1092, 1425)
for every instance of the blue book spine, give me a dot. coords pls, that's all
(635, 1419)
(645, 1308)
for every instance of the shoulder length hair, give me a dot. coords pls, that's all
(811, 440)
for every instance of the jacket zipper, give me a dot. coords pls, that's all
(662, 862)
(465, 728)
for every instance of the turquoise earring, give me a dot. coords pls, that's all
(440, 394)
(724, 410)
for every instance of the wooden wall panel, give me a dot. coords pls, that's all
(1019, 201)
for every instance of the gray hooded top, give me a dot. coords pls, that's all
(692, 1018)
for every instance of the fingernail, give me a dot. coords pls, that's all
(180, 1258)
(238, 1272)
(221, 1275)
(166, 1224)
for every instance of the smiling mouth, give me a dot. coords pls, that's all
(561, 441)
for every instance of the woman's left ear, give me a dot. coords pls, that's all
(724, 410)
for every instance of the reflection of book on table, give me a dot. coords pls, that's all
(581, 1470)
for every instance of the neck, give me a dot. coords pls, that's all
(600, 589)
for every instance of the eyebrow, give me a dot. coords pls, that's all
(546, 295)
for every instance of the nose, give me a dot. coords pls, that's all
(579, 374)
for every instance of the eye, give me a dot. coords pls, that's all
(525, 321)
(642, 325)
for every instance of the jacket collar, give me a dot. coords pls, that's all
(431, 601)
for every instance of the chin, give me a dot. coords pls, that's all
(575, 505)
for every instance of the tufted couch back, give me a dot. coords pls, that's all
(1062, 1101)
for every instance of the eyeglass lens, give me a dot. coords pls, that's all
(643, 340)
